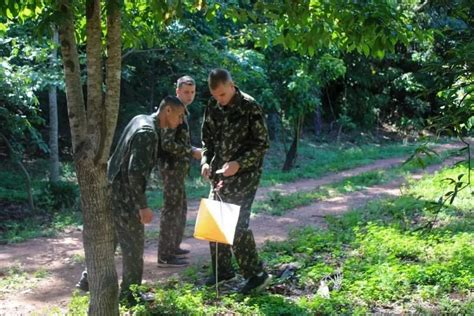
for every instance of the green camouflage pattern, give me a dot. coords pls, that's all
(131, 237)
(175, 156)
(129, 167)
(236, 132)
(135, 156)
(173, 213)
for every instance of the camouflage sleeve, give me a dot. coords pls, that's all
(142, 150)
(255, 148)
(174, 141)
(207, 138)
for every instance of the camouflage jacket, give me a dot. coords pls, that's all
(237, 132)
(175, 148)
(134, 157)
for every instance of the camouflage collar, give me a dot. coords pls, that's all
(156, 120)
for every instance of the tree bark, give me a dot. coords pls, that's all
(53, 120)
(91, 138)
(98, 235)
(317, 121)
(112, 81)
(94, 70)
(293, 151)
(272, 123)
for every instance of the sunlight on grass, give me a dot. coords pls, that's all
(379, 259)
(277, 203)
(15, 278)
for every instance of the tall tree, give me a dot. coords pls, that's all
(92, 131)
(53, 118)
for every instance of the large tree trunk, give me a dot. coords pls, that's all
(92, 132)
(99, 234)
(53, 121)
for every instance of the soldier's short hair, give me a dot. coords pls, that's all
(170, 100)
(185, 80)
(217, 77)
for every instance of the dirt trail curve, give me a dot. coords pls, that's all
(57, 255)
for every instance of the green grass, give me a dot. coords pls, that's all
(382, 258)
(278, 204)
(315, 161)
(40, 226)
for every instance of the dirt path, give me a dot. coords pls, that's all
(58, 256)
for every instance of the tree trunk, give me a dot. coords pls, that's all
(92, 134)
(292, 153)
(98, 235)
(330, 105)
(53, 121)
(272, 122)
(317, 121)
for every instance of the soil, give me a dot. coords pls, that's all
(59, 257)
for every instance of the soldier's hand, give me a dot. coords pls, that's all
(205, 171)
(230, 168)
(197, 153)
(146, 215)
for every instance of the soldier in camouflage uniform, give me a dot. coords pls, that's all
(174, 167)
(235, 139)
(130, 165)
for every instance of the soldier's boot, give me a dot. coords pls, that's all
(256, 283)
(181, 253)
(171, 262)
(83, 283)
(211, 280)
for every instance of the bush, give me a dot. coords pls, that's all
(59, 195)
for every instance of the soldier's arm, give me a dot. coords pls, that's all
(207, 138)
(140, 164)
(258, 143)
(174, 142)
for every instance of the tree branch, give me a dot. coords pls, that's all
(112, 80)
(94, 69)
(72, 74)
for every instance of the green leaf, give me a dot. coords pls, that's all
(9, 14)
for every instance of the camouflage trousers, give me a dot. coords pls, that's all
(131, 237)
(244, 248)
(173, 213)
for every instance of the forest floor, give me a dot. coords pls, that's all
(48, 268)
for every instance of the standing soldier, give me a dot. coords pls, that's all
(129, 167)
(174, 167)
(235, 139)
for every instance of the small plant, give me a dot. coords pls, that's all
(78, 258)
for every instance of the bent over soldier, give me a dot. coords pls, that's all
(129, 167)
(235, 139)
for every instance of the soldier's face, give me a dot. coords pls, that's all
(174, 116)
(223, 93)
(186, 93)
